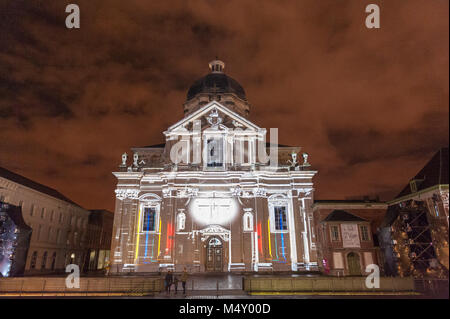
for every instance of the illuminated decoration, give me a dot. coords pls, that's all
(260, 245)
(419, 246)
(214, 179)
(213, 210)
(138, 235)
(269, 235)
(215, 230)
(159, 238)
(247, 221)
(15, 238)
(181, 221)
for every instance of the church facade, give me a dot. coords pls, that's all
(215, 197)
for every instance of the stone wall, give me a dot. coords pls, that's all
(351, 284)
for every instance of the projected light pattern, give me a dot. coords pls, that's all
(269, 235)
(282, 238)
(260, 246)
(138, 235)
(213, 210)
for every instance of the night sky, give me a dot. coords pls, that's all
(369, 106)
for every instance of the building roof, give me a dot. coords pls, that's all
(162, 145)
(216, 82)
(435, 172)
(348, 201)
(342, 216)
(19, 179)
(15, 213)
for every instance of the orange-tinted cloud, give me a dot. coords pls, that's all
(369, 106)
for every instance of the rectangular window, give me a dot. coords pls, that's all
(43, 213)
(280, 218)
(338, 261)
(334, 233)
(149, 219)
(364, 233)
(32, 210)
(214, 149)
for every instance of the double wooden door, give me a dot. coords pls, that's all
(214, 255)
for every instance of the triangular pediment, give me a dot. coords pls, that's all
(234, 120)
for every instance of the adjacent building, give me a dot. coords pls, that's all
(414, 233)
(58, 224)
(99, 234)
(345, 231)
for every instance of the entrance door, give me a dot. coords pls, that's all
(214, 254)
(354, 267)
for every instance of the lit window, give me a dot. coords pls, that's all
(149, 222)
(334, 233)
(280, 218)
(364, 233)
(214, 149)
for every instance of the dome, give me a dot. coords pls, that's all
(216, 82)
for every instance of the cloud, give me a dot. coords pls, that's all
(369, 106)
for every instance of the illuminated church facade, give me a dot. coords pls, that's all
(215, 197)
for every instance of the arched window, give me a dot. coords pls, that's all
(248, 221)
(149, 223)
(181, 221)
(44, 260)
(33, 260)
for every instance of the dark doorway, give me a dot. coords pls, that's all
(214, 255)
(354, 266)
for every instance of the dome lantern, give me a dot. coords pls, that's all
(216, 66)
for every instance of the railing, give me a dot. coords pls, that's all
(107, 286)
